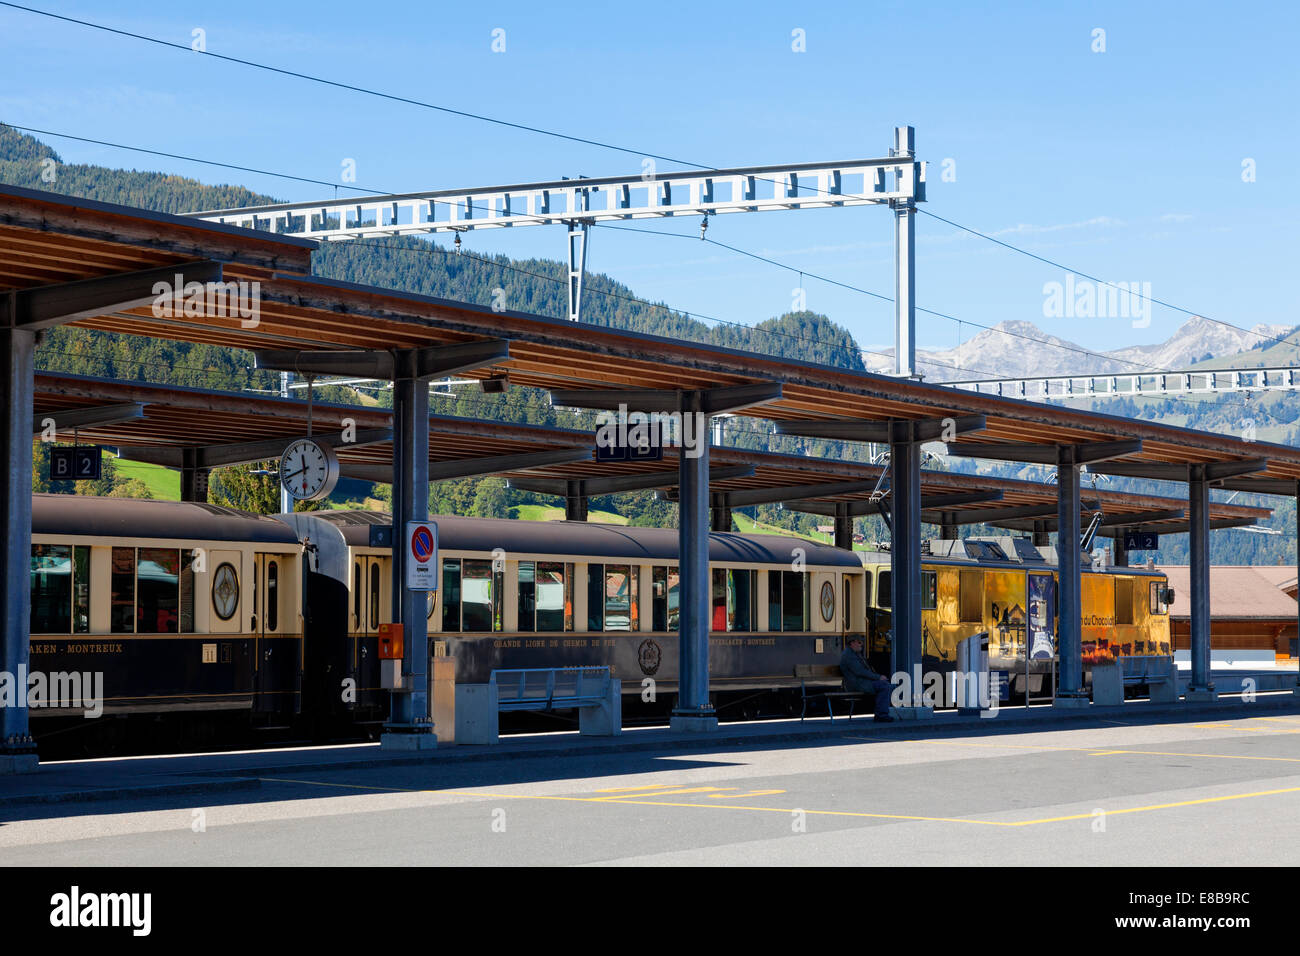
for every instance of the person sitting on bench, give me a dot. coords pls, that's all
(860, 678)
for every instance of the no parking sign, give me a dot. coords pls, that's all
(421, 556)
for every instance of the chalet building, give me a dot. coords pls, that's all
(1250, 609)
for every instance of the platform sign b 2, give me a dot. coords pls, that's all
(81, 463)
(421, 556)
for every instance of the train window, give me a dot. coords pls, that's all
(884, 589)
(81, 589)
(272, 596)
(158, 590)
(794, 601)
(1123, 600)
(554, 596)
(866, 577)
(774, 600)
(477, 600)
(122, 592)
(451, 594)
(1158, 605)
(187, 592)
(51, 589)
(718, 599)
(225, 591)
(742, 596)
(929, 590)
(664, 600)
(356, 596)
(595, 597)
(527, 596)
(971, 597)
(374, 596)
(621, 593)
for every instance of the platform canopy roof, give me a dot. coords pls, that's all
(47, 240)
(187, 427)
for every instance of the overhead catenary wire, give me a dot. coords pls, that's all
(523, 127)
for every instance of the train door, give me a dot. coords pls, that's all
(370, 588)
(277, 654)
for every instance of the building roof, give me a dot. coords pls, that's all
(1236, 592)
(46, 238)
(178, 417)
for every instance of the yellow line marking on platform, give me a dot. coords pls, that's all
(1094, 752)
(791, 810)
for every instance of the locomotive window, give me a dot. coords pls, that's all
(451, 594)
(971, 597)
(158, 590)
(527, 596)
(272, 596)
(1158, 605)
(81, 589)
(929, 590)
(595, 597)
(187, 592)
(1123, 600)
(356, 595)
(553, 596)
(621, 587)
(51, 589)
(884, 589)
(478, 607)
(374, 596)
(122, 603)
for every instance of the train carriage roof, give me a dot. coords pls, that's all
(585, 538)
(146, 518)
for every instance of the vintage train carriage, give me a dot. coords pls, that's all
(547, 594)
(1008, 587)
(180, 606)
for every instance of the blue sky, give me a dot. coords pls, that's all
(1126, 163)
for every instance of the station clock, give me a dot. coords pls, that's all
(309, 469)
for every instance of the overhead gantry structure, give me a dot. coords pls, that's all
(897, 181)
(98, 262)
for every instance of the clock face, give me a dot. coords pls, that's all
(308, 470)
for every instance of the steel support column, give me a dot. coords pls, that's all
(1198, 515)
(1119, 552)
(843, 526)
(1296, 690)
(17, 371)
(575, 508)
(1070, 637)
(410, 727)
(694, 711)
(948, 528)
(905, 259)
(905, 563)
(194, 487)
(719, 512)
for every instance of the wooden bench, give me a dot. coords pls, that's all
(592, 690)
(806, 672)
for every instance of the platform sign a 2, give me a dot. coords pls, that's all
(421, 556)
(1141, 541)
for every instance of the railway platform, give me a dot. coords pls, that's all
(72, 788)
